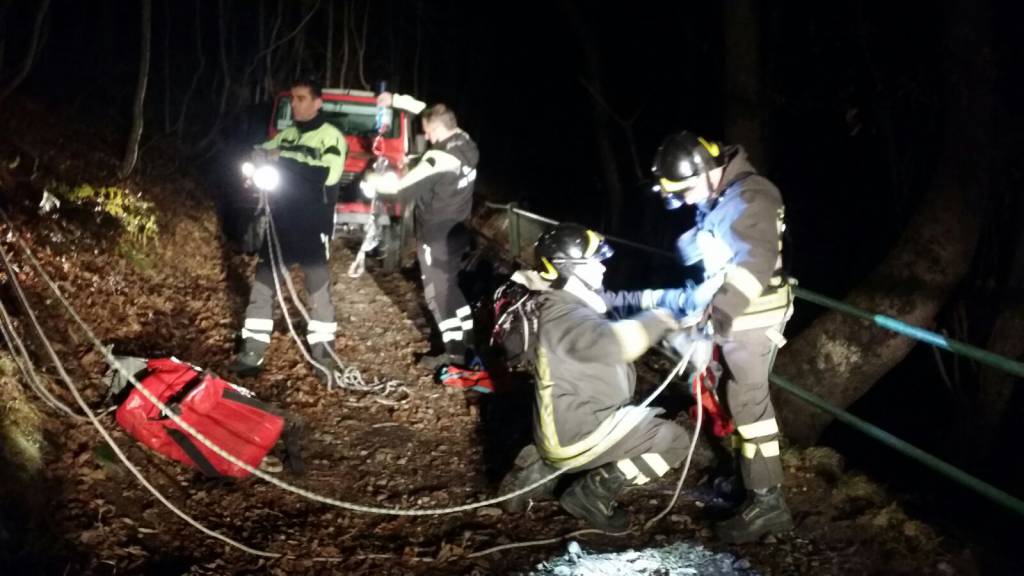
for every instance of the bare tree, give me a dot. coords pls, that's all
(167, 65)
(743, 78)
(31, 52)
(359, 38)
(416, 50)
(180, 126)
(132, 152)
(330, 44)
(603, 140)
(346, 15)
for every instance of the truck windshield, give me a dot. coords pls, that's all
(352, 118)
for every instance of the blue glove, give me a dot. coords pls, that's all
(683, 302)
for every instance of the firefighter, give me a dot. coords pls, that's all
(585, 380)
(310, 157)
(442, 185)
(738, 237)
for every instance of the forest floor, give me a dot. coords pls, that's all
(70, 507)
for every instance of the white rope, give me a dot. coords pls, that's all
(24, 362)
(113, 362)
(348, 377)
(95, 421)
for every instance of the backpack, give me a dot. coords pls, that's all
(516, 312)
(226, 414)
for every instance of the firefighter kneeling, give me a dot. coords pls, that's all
(585, 380)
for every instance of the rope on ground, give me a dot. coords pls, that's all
(348, 377)
(24, 362)
(99, 427)
(166, 411)
(113, 362)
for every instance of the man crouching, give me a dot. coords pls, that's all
(585, 380)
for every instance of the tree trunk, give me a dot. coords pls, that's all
(346, 14)
(30, 53)
(132, 152)
(167, 65)
(195, 77)
(330, 44)
(840, 358)
(603, 139)
(361, 48)
(743, 78)
(416, 51)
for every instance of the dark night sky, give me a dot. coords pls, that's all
(840, 81)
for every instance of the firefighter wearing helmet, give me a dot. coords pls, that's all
(583, 421)
(738, 239)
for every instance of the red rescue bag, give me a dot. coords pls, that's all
(226, 414)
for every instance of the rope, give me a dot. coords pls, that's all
(92, 416)
(348, 377)
(113, 362)
(24, 362)
(167, 412)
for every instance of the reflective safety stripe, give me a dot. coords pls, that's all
(449, 324)
(468, 324)
(451, 335)
(326, 327)
(318, 337)
(632, 338)
(257, 336)
(744, 281)
(464, 312)
(261, 324)
(656, 462)
(759, 429)
(770, 448)
(768, 311)
(607, 433)
(749, 450)
(632, 472)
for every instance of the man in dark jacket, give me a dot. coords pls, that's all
(738, 238)
(585, 381)
(442, 185)
(309, 156)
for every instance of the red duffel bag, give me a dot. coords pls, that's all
(226, 414)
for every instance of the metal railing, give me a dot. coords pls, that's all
(1008, 365)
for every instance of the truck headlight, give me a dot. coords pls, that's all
(247, 169)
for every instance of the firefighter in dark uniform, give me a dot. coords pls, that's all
(442, 185)
(585, 380)
(310, 157)
(738, 237)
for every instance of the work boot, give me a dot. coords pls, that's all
(728, 490)
(249, 361)
(321, 353)
(764, 513)
(592, 498)
(529, 469)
